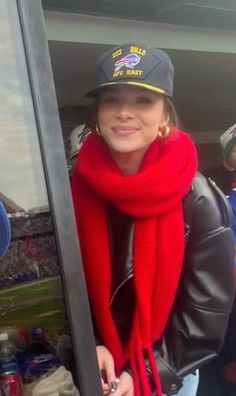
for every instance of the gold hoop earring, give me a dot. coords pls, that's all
(163, 131)
(97, 130)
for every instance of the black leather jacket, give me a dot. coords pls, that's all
(197, 324)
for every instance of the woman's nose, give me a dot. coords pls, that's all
(125, 111)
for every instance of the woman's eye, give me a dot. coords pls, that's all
(144, 99)
(110, 99)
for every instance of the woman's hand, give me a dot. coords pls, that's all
(106, 366)
(125, 386)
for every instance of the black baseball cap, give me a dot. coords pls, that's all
(135, 64)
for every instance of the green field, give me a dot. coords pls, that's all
(33, 303)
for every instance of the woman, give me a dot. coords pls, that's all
(155, 237)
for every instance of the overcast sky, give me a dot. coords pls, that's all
(21, 173)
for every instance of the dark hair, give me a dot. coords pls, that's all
(170, 109)
(174, 121)
(91, 116)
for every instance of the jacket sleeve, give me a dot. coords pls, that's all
(197, 325)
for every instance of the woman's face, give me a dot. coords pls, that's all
(129, 118)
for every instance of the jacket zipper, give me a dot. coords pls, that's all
(186, 234)
(119, 287)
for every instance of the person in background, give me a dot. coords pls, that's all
(219, 376)
(154, 233)
(224, 174)
(5, 230)
(226, 179)
(73, 144)
(228, 144)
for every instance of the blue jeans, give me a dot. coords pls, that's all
(190, 385)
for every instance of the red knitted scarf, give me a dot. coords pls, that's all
(153, 197)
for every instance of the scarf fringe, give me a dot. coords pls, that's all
(142, 383)
(144, 380)
(154, 368)
(135, 376)
(143, 358)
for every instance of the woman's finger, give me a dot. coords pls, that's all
(110, 371)
(125, 386)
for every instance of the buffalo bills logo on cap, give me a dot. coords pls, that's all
(130, 60)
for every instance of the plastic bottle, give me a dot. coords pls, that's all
(10, 382)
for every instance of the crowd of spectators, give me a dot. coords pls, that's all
(32, 253)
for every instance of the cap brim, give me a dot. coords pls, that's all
(5, 233)
(94, 92)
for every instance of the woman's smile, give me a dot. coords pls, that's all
(124, 130)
